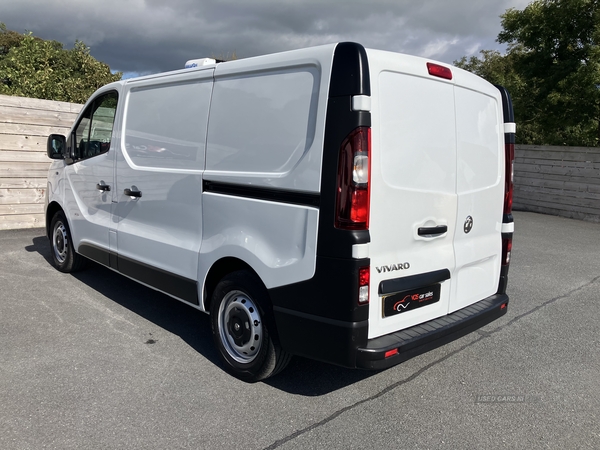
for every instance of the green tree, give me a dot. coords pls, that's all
(8, 40)
(551, 68)
(32, 67)
(500, 70)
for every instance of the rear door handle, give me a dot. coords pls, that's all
(103, 187)
(432, 231)
(131, 193)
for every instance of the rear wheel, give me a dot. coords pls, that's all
(63, 254)
(243, 330)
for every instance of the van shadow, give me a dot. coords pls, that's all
(302, 376)
(41, 244)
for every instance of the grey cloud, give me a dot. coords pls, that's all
(146, 36)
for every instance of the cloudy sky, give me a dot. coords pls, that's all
(148, 36)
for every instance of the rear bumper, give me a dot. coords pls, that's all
(421, 338)
(346, 344)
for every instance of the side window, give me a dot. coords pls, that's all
(94, 131)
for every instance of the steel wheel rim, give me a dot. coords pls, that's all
(60, 242)
(240, 327)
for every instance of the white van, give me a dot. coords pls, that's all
(339, 203)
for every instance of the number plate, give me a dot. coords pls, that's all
(408, 300)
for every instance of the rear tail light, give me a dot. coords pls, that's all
(353, 187)
(364, 275)
(509, 177)
(508, 197)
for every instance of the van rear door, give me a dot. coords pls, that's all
(480, 189)
(436, 192)
(413, 193)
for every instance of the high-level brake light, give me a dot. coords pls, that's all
(439, 71)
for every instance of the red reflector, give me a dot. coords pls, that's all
(503, 306)
(364, 275)
(391, 353)
(439, 71)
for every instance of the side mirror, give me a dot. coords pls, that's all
(56, 146)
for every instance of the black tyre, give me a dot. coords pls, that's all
(243, 328)
(63, 254)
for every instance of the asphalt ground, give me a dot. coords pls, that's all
(96, 361)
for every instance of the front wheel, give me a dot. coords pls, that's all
(242, 329)
(63, 253)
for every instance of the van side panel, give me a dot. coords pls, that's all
(276, 239)
(161, 157)
(265, 125)
(263, 164)
(267, 121)
(321, 318)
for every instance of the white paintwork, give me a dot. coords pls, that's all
(165, 123)
(276, 239)
(480, 190)
(268, 120)
(162, 155)
(413, 173)
(88, 210)
(510, 127)
(437, 157)
(159, 147)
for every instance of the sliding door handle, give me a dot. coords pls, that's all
(103, 187)
(131, 193)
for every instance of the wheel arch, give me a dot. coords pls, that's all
(51, 210)
(220, 269)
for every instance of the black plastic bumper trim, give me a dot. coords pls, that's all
(430, 335)
(168, 282)
(320, 338)
(94, 253)
(173, 284)
(413, 282)
(324, 320)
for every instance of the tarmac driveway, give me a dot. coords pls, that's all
(96, 361)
